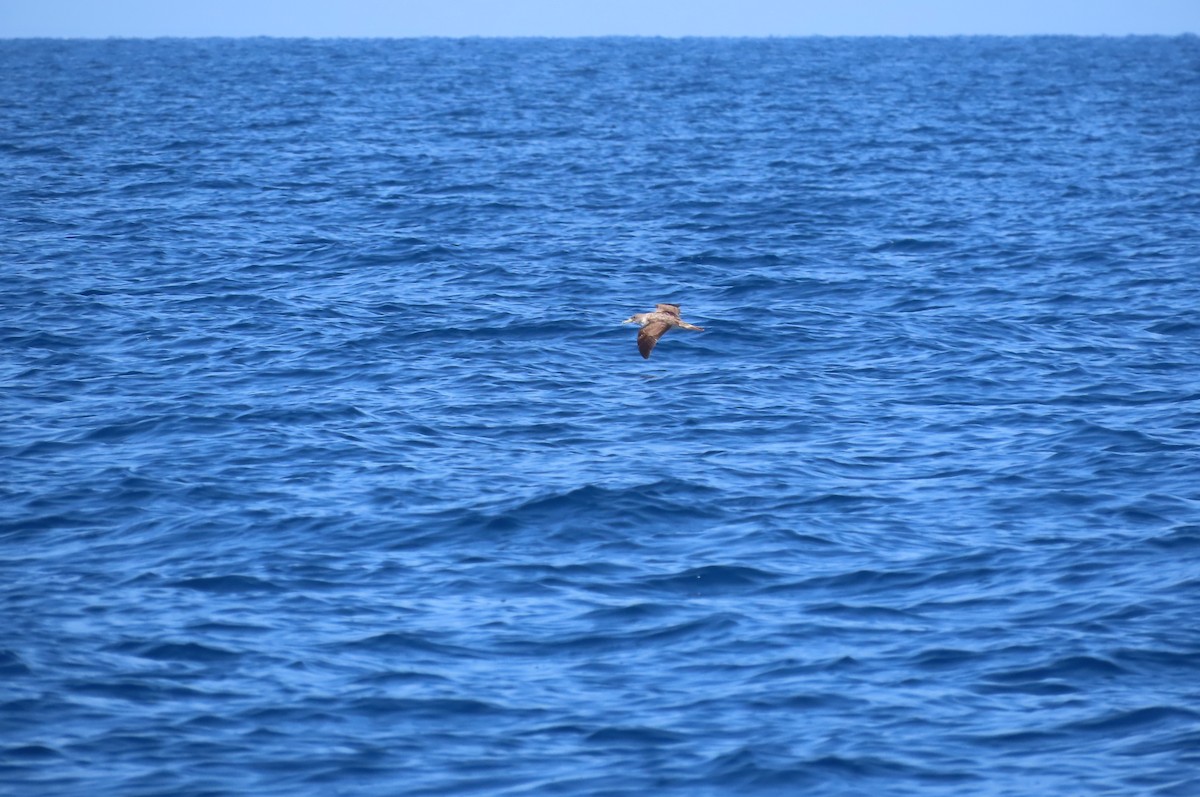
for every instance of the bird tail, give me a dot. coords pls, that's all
(692, 327)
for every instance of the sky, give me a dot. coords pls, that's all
(358, 18)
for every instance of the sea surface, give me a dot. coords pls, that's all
(327, 467)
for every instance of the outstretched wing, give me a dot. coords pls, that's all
(649, 335)
(669, 309)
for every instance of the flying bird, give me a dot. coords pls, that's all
(654, 325)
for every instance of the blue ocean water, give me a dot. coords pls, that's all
(328, 468)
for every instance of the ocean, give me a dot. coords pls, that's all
(328, 467)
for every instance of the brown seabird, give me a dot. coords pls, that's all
(655, 325)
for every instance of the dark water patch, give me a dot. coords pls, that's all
(402, 678)
(394, 642)
(1149, 659)
(712, 579)
(1137, 719)
(912, 245)
(944, 658)
(410, 709)
(1070, 668)
(227, 584)
(697, 632)
(11, 665)
(31, 752)
(148, 690)
(1185, 538)
(636, 738)
(642, 612)
(185, 652)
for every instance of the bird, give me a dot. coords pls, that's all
(654, 325)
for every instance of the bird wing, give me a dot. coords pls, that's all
(649, 335)
(669, 309)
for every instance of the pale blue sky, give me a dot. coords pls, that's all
(323, 18)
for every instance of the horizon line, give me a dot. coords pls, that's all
(755, 36)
